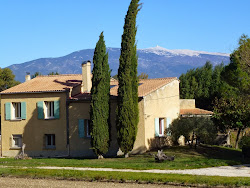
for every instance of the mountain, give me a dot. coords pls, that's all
(156, 62)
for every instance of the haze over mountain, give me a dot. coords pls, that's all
(157, 62)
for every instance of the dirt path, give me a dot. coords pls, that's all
(229, 171)
(42, 183)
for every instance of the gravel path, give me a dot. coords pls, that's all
(40, 183)
(230, 171)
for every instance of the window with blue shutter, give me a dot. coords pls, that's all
(81, 128)
(167, 125)
(7, 111)
(40, 110)
(23, 110)
(156, 126)
(56, 109)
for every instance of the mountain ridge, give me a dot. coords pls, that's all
(156, 62)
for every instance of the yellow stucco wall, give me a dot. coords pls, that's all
(33, 129)
(140, 145)
(78, 146)
(187, 103)
(81, 147)
(162, 103)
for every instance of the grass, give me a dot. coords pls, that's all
(125, 177)
(185, 158)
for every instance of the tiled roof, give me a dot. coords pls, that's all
(195, 111)
(146, 86)
(52, 83)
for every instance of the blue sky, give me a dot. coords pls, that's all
(32, 29)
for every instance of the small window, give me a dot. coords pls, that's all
(16, 110)
(50, 140)
(17, 141)
(87, 127)
(161, 126)
(49, 109)
(84, 128)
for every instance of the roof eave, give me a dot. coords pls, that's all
(58, 91)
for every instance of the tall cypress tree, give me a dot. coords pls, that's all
(100, 92)
(127, 113)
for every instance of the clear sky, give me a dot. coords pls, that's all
(32, 29)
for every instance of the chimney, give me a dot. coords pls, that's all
(86, 77)
(27, 76)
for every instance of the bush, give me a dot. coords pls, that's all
(245, 141)
(202, 128)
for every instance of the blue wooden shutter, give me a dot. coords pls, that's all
(168, 122)
(156, 126)
(7, 111)
(40, 110)
(167, 125)
(23, 110)
(57, 109)
(81, 128)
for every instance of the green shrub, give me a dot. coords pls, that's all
(245, 141)
(201, 127)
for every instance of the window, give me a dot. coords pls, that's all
(161, 126)
(17, 141)
(16, 110)
(49, 109)
(50, 140)
(87, 127)
(84, 128)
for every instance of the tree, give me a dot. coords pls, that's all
(115, 76)
(100, 91)
(232, 113)
(36, 74)
(143, 76)
(202, 84)
(193, 128)
(7, 79)
(242, 54)
(127, 112)
(53, 73)
(232, 109)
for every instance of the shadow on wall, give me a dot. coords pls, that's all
(81, 147)
(44, 137)
(159, 142)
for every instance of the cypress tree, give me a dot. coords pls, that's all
(127, 113)
(100, 92)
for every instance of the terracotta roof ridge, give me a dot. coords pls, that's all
(165, 78)
(58, 75)
(203, 109)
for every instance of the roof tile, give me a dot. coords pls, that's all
(195, 111)
(53, 83)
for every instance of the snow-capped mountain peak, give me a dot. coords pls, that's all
(179, 52)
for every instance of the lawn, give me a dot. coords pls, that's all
(171, 179)
(185, 158)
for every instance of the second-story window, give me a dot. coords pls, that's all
(16, 114)
(49, 109)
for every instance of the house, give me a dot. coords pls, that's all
(50, 114)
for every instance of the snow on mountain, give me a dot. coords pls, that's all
(178, 52)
